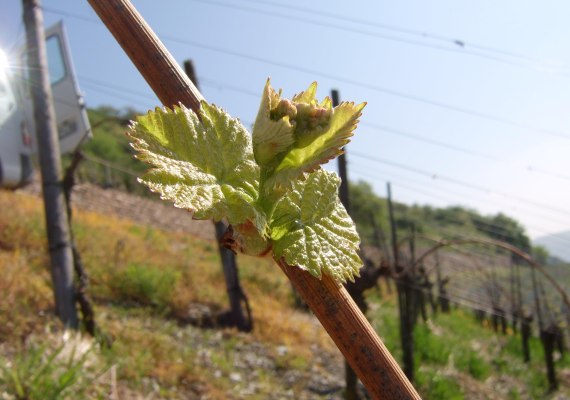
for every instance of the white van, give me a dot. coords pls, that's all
(17, 128)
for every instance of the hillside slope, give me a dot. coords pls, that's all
(152, 287)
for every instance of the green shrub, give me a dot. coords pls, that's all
(430, 348)
(387, 327)
(442, 387)
(471, 363)
(513, 346)
(514, 394)
(146, 285)
(538, 384)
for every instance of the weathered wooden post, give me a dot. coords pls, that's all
(350, 391)
(545, 335)
(515, 306)
(356, 291)
(405, 297)
(526, 332)
(236, 295)
(57, 223)
(441, 286)
(81, 295)
(380, 240)
(417, 285)
(548, 337)
(328, 299)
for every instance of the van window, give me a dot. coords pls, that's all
(56, 64)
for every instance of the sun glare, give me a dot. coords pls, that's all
(3, 62)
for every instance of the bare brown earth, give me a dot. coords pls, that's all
(144, 211)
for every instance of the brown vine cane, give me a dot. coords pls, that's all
(328, 299)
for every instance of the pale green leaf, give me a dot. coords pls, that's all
(309, 96)
(270, 136)
(204, 164)
(311, 229)
(317, 146)
(294, 136)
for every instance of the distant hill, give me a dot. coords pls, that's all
(558, 244)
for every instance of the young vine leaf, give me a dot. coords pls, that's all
(205, 166)
(310, 228)
(295, 136)
(268, 187)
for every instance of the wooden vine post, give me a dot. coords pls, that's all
(57, 222)
(328, 299)
(350, 391)
(235, 316)
(405, 296)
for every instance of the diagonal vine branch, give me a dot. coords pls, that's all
(328, 299)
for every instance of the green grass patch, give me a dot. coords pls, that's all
(436, 386)
(470, 362)
(429, 347)
(145, 285)
(39, 372)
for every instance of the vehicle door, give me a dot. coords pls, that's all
(71, 115)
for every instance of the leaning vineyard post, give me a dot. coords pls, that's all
(328, 299)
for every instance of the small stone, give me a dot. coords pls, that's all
(282, 350)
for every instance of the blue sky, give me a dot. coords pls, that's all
(467, 101)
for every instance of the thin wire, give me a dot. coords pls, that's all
(438, 195)
(221, 86)
(500, 230)
(455, 41)
(463, 273)
(460, 295)
(528, 168)
(119, 88)
(376, 88)
(456, 181)
(71, 15)
(29, 83)
(109, 164)
(114, 94)
(98, 83)
(314, 22)
(380, 89)
(16, 40)
(459, 46)
(398, 132)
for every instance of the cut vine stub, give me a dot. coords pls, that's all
(230, 240)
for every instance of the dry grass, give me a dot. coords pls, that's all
(26, 296)
(110, 247)
(126, 263)
(143, 281)
(25, 284)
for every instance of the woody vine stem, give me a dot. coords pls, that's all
(269, 210)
